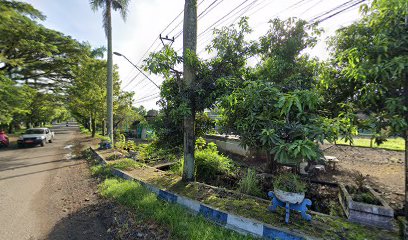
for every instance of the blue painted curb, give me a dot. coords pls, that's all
(228, 220)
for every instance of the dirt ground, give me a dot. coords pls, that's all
(65, 203)
(384, 170)
(88, 216)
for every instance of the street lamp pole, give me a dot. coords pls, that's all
(121, 55)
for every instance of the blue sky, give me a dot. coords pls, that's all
(147, 18)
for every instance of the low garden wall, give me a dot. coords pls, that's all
(368, 214)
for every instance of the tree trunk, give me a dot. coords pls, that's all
(272, 164)
(110, 76)
(93, 126)
(103, 127)
(189, 48)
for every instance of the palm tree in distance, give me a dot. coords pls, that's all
(107, 6)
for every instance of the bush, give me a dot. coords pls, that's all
(122, 143)
(289, 182)
(249, 184)
(151, 152)
(208, 162)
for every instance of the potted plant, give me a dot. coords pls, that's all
(288, 187)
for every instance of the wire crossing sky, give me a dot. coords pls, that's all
(147, 19)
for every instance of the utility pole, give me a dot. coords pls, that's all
(189, 50)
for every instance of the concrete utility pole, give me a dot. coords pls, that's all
(189, 49)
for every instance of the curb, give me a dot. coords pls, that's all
(228, 220)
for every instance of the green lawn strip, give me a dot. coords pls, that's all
(391, 143)
(180, 222)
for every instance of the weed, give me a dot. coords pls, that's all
(126, 164)
(249, 184)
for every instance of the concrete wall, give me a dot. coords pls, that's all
(228, 144)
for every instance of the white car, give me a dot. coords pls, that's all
(35, 136)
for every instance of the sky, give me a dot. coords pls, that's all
(146, 19)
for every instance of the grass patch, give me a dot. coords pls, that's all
(391, 143)
(181, 223)
(126, 164)
(101, 171)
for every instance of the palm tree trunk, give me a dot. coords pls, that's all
(110, 76)
(189, 45)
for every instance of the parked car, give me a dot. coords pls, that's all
(35, 136)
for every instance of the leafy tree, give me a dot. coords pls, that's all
(108, 5)
(277, 108)
(32, 53)
(14, 101)
(370, 60)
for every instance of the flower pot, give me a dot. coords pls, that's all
(293, 198)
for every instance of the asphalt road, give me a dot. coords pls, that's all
(27, 186)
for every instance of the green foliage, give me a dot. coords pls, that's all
(101, 171)
(278, 108)
(41, 57)
(369, 59)
(249, 184)
(200, 143)
(123, 144)
(181, 223)
(289, 182)
(210, 163)
(153, 152)
(126, 164)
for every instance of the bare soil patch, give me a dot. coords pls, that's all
(384, 170)
(85, 215)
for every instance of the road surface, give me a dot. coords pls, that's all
(33, 185)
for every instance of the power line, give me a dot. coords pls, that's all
(147, 96)
(226, 15)
(331, 10)
(202, 14)
(147, 99)
(340, 11)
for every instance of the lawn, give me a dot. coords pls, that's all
(180, 222)
(391, 143)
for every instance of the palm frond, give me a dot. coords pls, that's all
(106, 20)
(122, 6)
(96, 4)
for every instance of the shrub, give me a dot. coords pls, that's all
(151, 152)
(249, 184)
(210, 163)
(289, 182)
(200, 143)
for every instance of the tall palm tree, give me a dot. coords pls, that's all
(107, 6)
